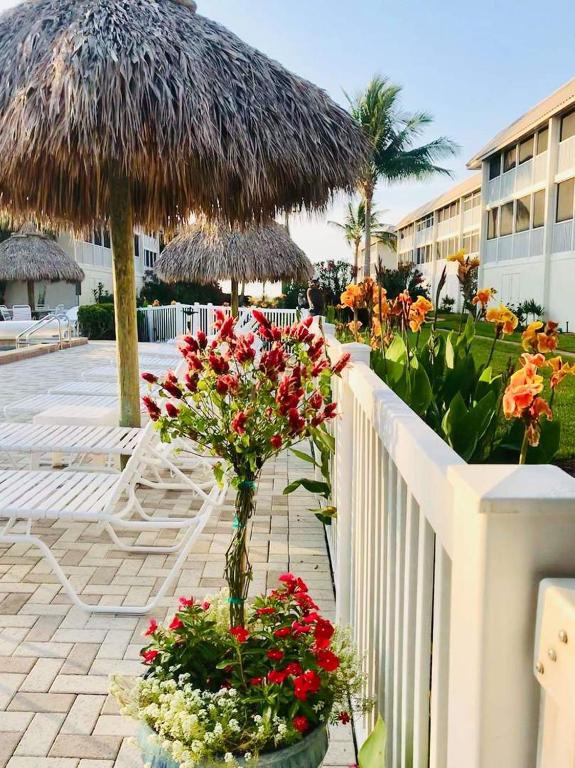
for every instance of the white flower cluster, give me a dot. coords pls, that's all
(197, 727)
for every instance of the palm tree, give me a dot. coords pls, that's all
(353, 227)
(393, 135)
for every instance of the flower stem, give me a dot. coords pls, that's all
(492, 350)
(524, 447)
(238, 570)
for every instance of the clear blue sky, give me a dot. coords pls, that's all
(474, 66)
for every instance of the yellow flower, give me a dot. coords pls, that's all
(355, 326)
(503, 318)
(458, 256)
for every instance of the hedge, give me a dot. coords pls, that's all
(96, 321)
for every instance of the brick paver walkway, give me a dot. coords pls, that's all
(55, 659)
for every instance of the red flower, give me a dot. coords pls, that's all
(311, 618)
(316, 400)
(301, 723)
(149, 656)
(240, 633)
(341, 363)
(300, 629)
(172, 389)
(261, 318)
(327, 660)
(205, 605)
(191, 382)
(305, 601)
(277, 676)
(153, 410)
(150, 378)
(344, 718)
(202, 339)
(266, 611)
(330, 410)
(194, 362)
(276, 442)
(152, 627)
(239, 423)
(287, 578)
(275, 654)
(172, 411)
(218, 363)
(305, 684)
(294, 668)
(186, 602)
(282, 632)
(176, 623)
(256, 680)
(323, 633)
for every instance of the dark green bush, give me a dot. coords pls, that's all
(97, 321)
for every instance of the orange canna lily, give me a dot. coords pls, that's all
(458, 256)
(483, 296)
(503, 318)
(560, 370)
(352, 297)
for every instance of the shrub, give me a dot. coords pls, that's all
(185, 293)
(96, 321)
(447, 304)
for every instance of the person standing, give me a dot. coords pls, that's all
(315, 299)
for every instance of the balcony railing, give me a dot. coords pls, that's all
(518, 179)
(521, 245)
(437, 566)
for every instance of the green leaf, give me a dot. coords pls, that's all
(304, 457)
(420, 395)
(313, 486)
(372, 753)
(219, 473)
(397, 351)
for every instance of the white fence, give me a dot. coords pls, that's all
(168, 322)
(437, 567)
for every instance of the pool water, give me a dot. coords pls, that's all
(7, 347)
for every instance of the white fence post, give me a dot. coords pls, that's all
(344, 457)
(511, 526)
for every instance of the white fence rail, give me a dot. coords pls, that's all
(437, 565)
(168, 322)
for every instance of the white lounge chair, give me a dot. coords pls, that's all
(21, 312)
(5, 313)
(37, 403)
(76, 442)
(27, 496)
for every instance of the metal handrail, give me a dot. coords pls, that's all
(64, 333)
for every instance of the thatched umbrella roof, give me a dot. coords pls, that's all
(29, 255)
(208, 252)
(150, 90)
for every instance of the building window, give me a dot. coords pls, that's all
(107, 243)
(565, 200)
(509, 159)
(526, 149)
(494, 166)
(542, 140)
(567, 126)
(137, 246)
(492, 218)
(149, 259)
(539, 209)
(97, 237)
(522, 213)
(471, 243)
(506, 222)
(471, 201)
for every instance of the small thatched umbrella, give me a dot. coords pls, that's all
(143, 111)
(212, 251)
(29, 255)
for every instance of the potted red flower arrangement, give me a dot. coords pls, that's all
(233, 681)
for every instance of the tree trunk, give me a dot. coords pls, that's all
(122, 231)
(356, 262)
(31, 299)
(235, 298)
(238, 571)
(368, 195)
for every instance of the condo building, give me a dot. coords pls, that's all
(428, 235)
(517, 214)
(527, 226)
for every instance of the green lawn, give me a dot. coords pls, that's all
(482, 328)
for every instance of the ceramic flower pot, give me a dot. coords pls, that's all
(308, 753)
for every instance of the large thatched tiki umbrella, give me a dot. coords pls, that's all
(30, 256)
(143, 111)
(213, 251)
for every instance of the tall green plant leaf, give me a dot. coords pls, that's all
(372, 753)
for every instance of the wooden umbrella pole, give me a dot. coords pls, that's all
(31, 299)
(235, 298)
(122, 231)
